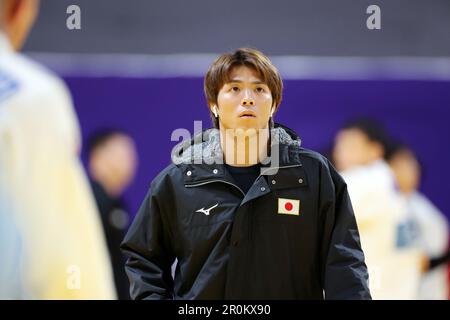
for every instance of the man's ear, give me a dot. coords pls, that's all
(214, 110)
(18, 18)
(13, 7)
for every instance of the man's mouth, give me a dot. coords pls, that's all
(247, 114)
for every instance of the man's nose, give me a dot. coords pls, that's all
(248, 102)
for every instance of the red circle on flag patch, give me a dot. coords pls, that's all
(288, 206)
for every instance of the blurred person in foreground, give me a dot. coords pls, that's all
(239, 228)
(112, 167)
(10, 247)
(429, 225)
(44, 192)
(394, 266)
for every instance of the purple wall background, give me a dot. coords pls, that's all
(149, 109)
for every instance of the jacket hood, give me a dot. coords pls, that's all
(205, 146)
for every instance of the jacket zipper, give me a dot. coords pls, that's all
(232, 184)
(211, 181)
(293, 166)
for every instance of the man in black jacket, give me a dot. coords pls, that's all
(277, 223)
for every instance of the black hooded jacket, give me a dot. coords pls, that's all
(231, 245)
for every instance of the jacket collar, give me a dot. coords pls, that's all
(205, 148)
(188, 155)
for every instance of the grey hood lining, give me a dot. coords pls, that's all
(208, 150)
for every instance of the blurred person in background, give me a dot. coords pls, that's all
(429, 225)
(56, 241)
(112, 167)
(394, 266)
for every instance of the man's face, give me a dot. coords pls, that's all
(244, 102)
(116, 161)
(406, 170)
(353, 148)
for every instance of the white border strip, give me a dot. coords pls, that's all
(290, 67)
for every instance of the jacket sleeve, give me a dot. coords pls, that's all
(149, 259)
(344, 272)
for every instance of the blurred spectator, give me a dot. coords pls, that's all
(55, 248)
(112, 166)
(394, 266)
(432, 226)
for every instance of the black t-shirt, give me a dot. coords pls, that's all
(244, 176)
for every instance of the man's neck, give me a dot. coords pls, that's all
(111, 187)
(244, 148)
(5, 43)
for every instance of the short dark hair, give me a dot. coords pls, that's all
(100, 137)
(219, 72)
(393, 148)
(372, 129)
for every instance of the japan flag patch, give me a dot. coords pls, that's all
(288, 206)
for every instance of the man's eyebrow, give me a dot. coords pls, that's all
(240, 81)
